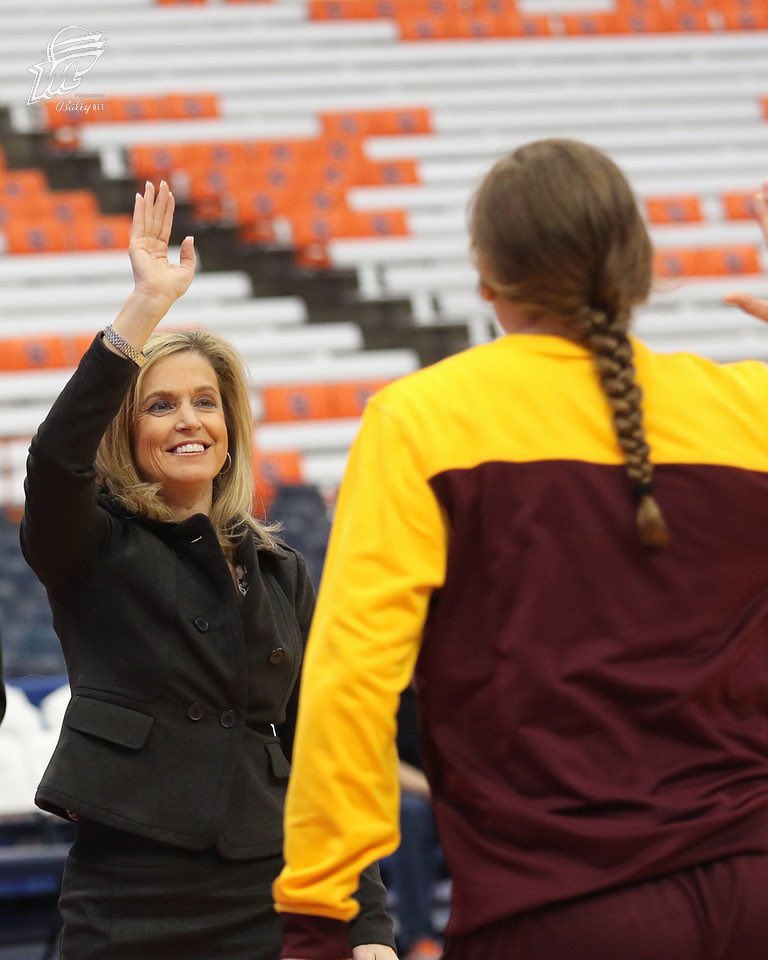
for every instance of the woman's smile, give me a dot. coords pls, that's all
(181, 436)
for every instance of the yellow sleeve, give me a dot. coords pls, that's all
(386, 556)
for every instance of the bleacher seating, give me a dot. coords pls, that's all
(323, 153)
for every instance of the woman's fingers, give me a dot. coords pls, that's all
(137, 224)
(165, 227)
(153, 213)
(149, 207)
(158, 213)
(752, 305)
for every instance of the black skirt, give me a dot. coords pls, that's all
(127, 898)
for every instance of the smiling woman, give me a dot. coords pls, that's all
(174, 754)
(192, 389)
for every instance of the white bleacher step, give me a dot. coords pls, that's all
(34, 391)
(738, 345)
(176, 49)
(111, 293)
(136, 15)
(748, 161)
(451, 290)
(649, 52)
(697, 234)
(610, 133)
(40, 268)
(278, 85)
(658, 326)
(226, 317)
(306, 435)
(453, 108)
(454, 247)
(253, 127)
(125, 135)
(705, 290)
(431, 196)
(660, 320)
(307, 339)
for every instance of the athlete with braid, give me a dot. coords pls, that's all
(566, 535)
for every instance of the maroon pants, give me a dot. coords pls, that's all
(718, 911)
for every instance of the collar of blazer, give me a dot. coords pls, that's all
(178, 535)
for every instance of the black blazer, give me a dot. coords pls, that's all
(154, 740)
(2, 688)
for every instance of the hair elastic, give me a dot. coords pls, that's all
(640, 490)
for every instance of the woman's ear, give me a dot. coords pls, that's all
(486, 292)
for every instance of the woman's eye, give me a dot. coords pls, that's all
(206, 402)
(159, 406)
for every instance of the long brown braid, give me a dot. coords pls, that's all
(606, 335)
(555, 227)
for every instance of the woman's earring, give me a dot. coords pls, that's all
(229, 465)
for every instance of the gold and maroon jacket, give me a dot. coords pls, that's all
(593, 713)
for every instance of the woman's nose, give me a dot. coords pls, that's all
(188, 416)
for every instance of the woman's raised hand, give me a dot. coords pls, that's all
(753, 305)
(155, 277)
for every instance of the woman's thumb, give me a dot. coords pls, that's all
(187, 252)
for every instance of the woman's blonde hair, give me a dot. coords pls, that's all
(555, 227)
(233, 490)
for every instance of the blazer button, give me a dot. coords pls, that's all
(195, 711)
(201, 623)
(277, 655)
(228, 718)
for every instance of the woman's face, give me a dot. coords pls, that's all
(181, 434)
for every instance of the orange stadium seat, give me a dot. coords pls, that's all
(341, 222)
(153, 161)
(350, 9)
(381, 172)
(130, 109)
(708, 261)
(22, 184)
(349, 399)
(581, 24)
(29, 353)
(250, 204)
(467, 26)
(746, 20)
(415, 27)
(743, 14)
(370, 123)
(23, 236)
(280, 466)
(70, 206)
(101, 233)
(189, 106)
(308, 401)
(764, 105)
(734, 259)
(73, 111)
(680, 209)
(274, 469)
(82, 342)
(64, 206)
(738, 206)
(694, 21)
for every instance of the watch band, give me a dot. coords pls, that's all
(124, 347)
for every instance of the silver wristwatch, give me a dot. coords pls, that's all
(124, 347)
